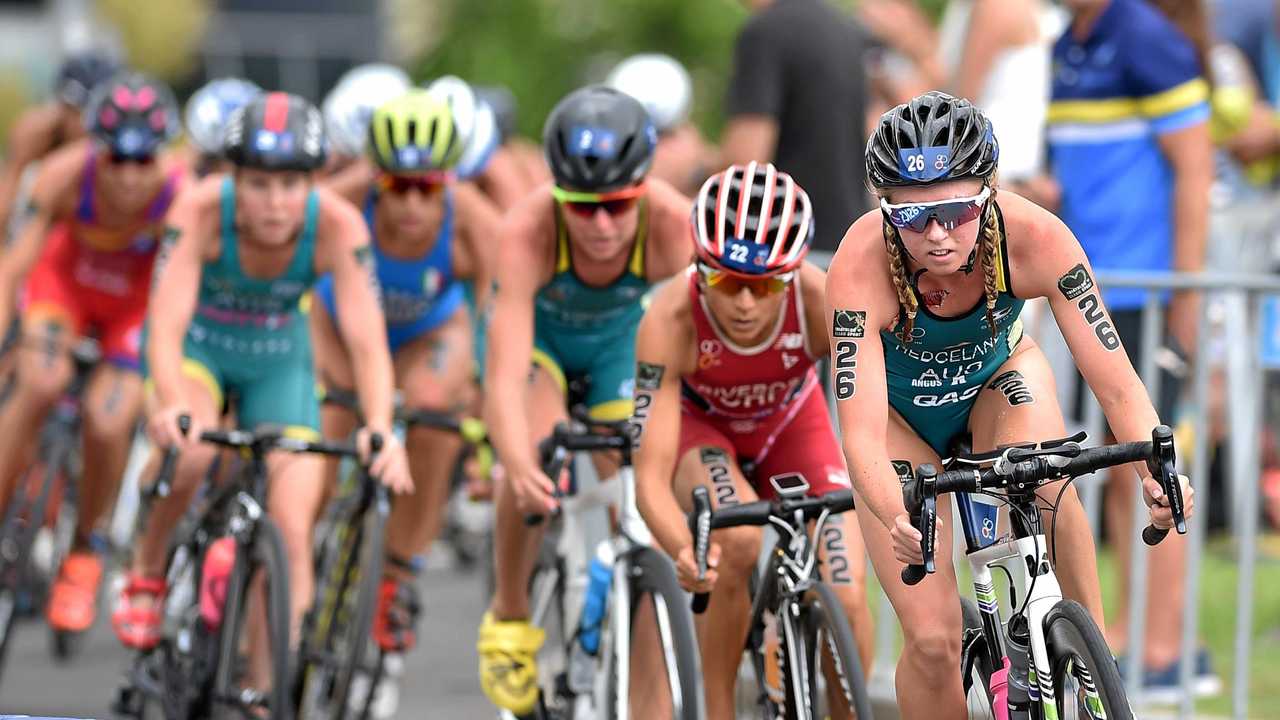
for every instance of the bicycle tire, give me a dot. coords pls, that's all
(1072, 640)
(822, 612)
(265, 554)
(547, 611)
(653, 575)
(338, 626)
(977, 656)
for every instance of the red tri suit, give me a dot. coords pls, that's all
(763, 405)
(92, 277)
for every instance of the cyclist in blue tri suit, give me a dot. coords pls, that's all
(923, 298)
(575, 261)
(428, 235)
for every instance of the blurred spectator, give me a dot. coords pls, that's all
(1129, 145)
(797, 97)
(664, 87)
(993, 52)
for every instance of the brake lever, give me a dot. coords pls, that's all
(1162, 467)
(700, 527)
(921, 498)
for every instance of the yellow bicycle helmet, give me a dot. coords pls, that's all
(414, 133)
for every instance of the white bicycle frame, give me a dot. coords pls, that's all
(615, 644)
(1045, 593)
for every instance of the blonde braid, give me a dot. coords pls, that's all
(990, 245)
(906, 299)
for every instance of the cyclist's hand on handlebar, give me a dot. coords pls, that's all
(906, 540)
(1158, 503)
(390, 466)
(687, 569)
(533, 489)
(164, 431)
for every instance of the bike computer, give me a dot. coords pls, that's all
(790, 485)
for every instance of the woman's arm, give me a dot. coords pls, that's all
(343, 249)
(668, 249)
(522, 267)
(859, 301)
(175, 287)
(480, 225)
(662, 342)
(813, 288)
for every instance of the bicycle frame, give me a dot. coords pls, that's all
(1027, 545)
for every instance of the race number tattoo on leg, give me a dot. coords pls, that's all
(837, 554)
(716, 460)
(1077, 284)
(1014, 387)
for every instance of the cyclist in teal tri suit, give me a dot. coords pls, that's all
(923, 298)
(225, 319)
(573, 268)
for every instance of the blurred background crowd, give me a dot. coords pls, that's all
(1150, 126)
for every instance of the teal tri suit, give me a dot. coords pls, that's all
(581, 330)
(935, 379)
(249, 336)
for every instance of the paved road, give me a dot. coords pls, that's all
(440, 676)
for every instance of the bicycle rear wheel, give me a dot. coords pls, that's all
(655, 590)
(336, 639)
(264, 566)
(1086, 680)
(831, 657)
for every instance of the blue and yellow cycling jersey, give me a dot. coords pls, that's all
(1133, 78)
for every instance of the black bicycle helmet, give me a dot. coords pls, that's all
(80, 74)
(132, 115)
(932, 139)
(276, 131)
(599, 139)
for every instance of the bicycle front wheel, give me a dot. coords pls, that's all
(836, 683)
(336, 643)
(244, 615)
(659, 649)
(1086, 680)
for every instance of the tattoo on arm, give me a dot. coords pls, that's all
(648, 379)
(846, 369)
(847, 324)
(1077, 286)
(364, 258)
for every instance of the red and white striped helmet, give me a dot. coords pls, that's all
(752, 221)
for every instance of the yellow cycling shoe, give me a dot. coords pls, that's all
(508, 668)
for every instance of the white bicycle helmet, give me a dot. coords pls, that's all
(660, 83)
(209, 107)
(351, 103)
(475, 121)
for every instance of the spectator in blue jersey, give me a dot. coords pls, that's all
(1129, 145)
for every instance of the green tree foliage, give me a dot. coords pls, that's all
(542, 49)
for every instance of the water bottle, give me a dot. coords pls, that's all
(1019, 689)
(600, 575)
(219, 558)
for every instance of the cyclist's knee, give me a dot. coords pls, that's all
(739, 552)
(931, 646)
(109, 423)
(42, 385)
(191, 469)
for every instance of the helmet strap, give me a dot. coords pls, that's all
(897, 237)
(967, 267)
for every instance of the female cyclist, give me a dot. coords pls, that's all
(923, 299)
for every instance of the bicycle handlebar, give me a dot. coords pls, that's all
(554, 451)
(1028, 468)
(760, 512)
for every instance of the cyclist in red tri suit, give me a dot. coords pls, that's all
(728, 397)
(85, 252)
